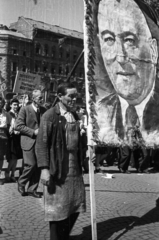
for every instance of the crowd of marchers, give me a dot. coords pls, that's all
(50, 142)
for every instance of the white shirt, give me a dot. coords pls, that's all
(68, 115)
(3, 119)
(15, 113)
(35, 108)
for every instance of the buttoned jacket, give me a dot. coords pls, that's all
(26, 124)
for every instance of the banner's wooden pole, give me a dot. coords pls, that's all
(92, 194)
(24, 96)
(89, 130)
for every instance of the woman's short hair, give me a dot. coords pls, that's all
(14, 100)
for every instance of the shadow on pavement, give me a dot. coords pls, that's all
(107, 228)
(110, 171)
(87, 185)
(132, 170)
(1, 232)
(117, 171)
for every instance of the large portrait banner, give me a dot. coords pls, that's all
(121, 40)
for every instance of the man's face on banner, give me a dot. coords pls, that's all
(128, 50)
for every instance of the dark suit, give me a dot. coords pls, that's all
(112, 106)
(26, 123)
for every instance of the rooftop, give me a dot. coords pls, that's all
(12, 33)
(52, 28)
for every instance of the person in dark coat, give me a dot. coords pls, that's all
(27, 124)
(59, 155)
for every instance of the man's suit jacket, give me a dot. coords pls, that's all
(26, 123)
(109, 118)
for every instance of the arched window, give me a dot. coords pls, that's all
(60, 69)
(46, 50)
(53, 51)
(37, 48)
(61, 52)
(67, 54)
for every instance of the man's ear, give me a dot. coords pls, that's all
(59, 95)
(154, 50)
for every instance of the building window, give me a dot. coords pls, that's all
(37, 66)
(14, 66)
(24, 53)
(24, 68)
(53, 52)
(67, 54)
(74, 56)
(38, 48)
(46, 50)
(52, 69)
(60, 69)
(61, 53)
(14, 51)
(45, 67)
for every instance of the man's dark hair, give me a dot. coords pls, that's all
(63, 87)
(77, 109)
(3, 101)
(14, 100)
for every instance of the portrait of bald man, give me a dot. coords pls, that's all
(126, 46)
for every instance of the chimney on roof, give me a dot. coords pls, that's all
(3, 27)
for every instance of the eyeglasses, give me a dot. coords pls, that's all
(39, 98)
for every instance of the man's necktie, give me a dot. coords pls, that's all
(134, 135)
(38, 115)
(132, 118)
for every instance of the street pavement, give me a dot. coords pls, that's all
(125, 210)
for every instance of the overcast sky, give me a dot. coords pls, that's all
(64, 13)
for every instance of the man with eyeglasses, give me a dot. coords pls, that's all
(27, 124)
